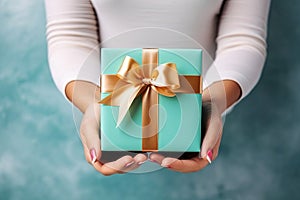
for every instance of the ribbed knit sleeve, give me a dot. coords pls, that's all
(241, 43)
(73, 43)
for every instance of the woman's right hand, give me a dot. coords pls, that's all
(89, 134)
(85, 95)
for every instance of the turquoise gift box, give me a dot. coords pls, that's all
(178, 118)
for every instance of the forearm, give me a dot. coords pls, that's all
(241, 48)
(82, 94)
(73, 45)
(223, 94)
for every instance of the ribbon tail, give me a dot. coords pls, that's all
(165, 91)
(116, 97)
(107, 101)
(125, 104)
(122, 97)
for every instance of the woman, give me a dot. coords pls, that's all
(233, 32)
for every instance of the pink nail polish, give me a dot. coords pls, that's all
(209, 156)
(93, 155)
(140, 163)
(154, 161)
(129, 164)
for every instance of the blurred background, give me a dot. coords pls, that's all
(41, 155)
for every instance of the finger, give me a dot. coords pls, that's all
(213, 152)
(216, 148)
(140, 159)
(191, 165)
(96, 164)
(213, 134)
(119, 166)
(157, 158)
(87, 154)
(89, 133)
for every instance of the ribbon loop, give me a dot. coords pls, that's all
(163, 79)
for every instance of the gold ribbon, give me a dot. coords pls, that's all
(147, 80)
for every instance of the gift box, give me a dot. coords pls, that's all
(151, 100)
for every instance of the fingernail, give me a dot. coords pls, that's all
(166, 166)
(153, 160)
(93, 155)
(129, 164)
(142, 162)
(209, 156)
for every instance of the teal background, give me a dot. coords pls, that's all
(179, 124)
(41, 155)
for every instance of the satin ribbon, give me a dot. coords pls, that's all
(163, 79)
(147, 80)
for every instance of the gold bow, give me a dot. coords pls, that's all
(137, 80)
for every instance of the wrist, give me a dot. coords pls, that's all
(82, 93)
(222, 94)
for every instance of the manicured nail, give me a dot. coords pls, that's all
(93, 155)
(129, 164)
(153, 160)
(142, 162)
(166, 166)
(209, 156)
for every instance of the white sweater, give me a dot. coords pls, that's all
(232, 33)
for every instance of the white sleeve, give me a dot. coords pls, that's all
(241, 43)
(73, 43)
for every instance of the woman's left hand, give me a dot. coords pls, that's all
(209, 148)
(216, 99)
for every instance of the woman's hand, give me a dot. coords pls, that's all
(85, 96)
(216, 99)
(209, 148)
(219, 96)
(89, 133)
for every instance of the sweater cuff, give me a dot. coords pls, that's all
(80, 65)
(243, 65)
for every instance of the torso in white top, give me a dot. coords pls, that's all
(232, 32)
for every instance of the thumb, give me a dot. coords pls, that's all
(89, 133)
(213, 132)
